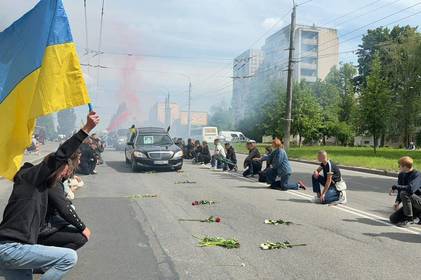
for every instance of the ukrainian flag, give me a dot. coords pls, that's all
(40, 74)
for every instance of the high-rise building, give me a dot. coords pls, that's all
(245, 67)
(316, 51)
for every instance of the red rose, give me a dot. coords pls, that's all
(218, 219)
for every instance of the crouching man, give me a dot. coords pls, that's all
(26, 211)
(409, 193)
(333, 191)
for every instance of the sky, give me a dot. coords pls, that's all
(174, 42)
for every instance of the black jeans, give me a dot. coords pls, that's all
(254, 167)
(67, 237)
(411, 206)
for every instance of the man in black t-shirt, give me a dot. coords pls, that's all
(328, 179)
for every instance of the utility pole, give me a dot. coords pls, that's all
(168, 110)
(288, 120)
(189, 113)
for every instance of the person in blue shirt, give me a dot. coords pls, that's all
(279, 174)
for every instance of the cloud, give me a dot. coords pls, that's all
(272, 22)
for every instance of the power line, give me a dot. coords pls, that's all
(252, 44)
(369, 12)
(350, 13)
(100, 42)
(159, 56)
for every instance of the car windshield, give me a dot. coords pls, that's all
(154, 139)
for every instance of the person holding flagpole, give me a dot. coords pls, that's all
(40, 74)
(26, 212)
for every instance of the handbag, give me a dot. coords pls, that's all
(341, 185)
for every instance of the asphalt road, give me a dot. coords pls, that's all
(143, 239)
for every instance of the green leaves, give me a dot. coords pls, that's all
(218, 241)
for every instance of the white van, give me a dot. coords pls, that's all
(233, 136)
(207, 133)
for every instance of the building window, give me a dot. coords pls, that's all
(309, 35)
(308, 72)
(309, 60)
(309, 48)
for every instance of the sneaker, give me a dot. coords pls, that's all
(301, 185)
(316, 199)
(342, 198)
(405, 223)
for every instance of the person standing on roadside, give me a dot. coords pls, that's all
(26, 211)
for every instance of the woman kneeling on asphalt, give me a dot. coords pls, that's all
(26, 212)
(279, 174)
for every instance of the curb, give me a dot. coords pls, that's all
(351, 168)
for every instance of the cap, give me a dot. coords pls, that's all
(250, 141)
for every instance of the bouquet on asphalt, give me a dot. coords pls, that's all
(277, 222)
(218, 241)
(211, 219)
(185, 182)
(136, 196)
(202, 202)
(278, 245)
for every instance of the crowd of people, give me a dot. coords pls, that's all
(41, 231)
(327, 182)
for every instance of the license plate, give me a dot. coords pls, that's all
(160, 162)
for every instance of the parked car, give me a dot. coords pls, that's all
(233, 136)
(153, 148)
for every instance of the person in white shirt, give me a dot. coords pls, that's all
(218, 153)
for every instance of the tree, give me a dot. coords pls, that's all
(66, 121)
(47, 123)
(221, 117)
(306, 114)
(374, 104)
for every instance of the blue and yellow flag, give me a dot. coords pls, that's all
(40, 74)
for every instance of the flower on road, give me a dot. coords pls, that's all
(278, 245)
(202, 202)
(211, 219)
(185, 182)
(136, 196)
(218, 241)
(277, 222)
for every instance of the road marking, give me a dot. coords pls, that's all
(341, 207)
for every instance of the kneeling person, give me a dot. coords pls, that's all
(409, 193)
(329, 180)
(26, 211)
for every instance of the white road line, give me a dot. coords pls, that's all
(347, 209)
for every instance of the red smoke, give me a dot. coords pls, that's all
(129, 106)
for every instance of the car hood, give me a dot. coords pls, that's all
(149, 148)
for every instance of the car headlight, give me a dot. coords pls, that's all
(139, 154)
(178, 155)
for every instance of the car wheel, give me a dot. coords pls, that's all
(134, 166)
(127, 160)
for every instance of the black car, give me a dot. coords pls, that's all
(153, 148)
